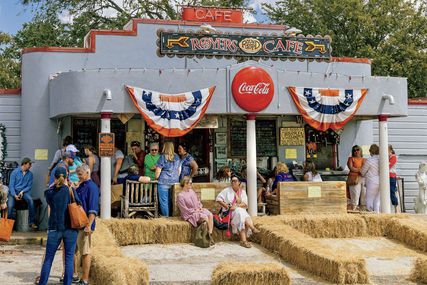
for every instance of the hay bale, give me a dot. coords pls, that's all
(230, 273)
(118, 270)
(419, 272)
(306, 253)
(377, 224)
(409, 231)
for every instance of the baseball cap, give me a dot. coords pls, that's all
(26, 160)
(135, 143)
(71, 148)
(60, 171)
(68, 154)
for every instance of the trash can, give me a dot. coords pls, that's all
(21, 222)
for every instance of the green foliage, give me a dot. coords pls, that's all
(392, 33)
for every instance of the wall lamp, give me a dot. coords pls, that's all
(388, 97)
(107, 94)
(207, 29)
(292, 32)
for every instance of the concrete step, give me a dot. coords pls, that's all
(27, 238)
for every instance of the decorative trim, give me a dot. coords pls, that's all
(12, 91)
(3, 146)
(382, 118)
(419, 101)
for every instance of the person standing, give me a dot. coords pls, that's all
(116, 165)
(21, 182)
(138, 155)
(150, 161)
(355, 181)
(93, 162)
(88, 193)
(4, 190)
(370, 171)
(392, 159)
(59, 153)
(59, 228)
(167, 174)
(188, 164)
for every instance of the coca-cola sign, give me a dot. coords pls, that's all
(252, 89)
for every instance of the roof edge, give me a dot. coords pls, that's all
(12, 91)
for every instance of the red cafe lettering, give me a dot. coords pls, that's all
(218, 15)
(252, 89)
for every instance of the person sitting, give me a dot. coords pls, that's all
(4, 190)
(21, 182)
(282, 175)
(190, 206)
(234, 199)
(310, 172)
(138, 155)
(133, 175)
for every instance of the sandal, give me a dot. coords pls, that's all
(37, 280)
(245, 244)
(256, 231)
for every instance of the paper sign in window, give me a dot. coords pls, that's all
(207, 194)
(314, 192)
(41, 154)
(291, 153)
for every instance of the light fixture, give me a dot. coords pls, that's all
(107, 94)
(388, 97)
(292, 32)
(207, 29)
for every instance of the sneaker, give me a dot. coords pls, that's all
(82, 282)
(34, 227)
(75, 279)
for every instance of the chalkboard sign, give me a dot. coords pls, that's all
(265, 138)
(85, 132)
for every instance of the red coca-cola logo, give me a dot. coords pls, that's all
(252, 89)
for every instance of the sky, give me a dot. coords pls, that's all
(13, 15)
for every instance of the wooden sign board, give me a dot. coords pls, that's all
(292, 136)
(106, 144)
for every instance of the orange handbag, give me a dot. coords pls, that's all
(6, 227)
(78, 215)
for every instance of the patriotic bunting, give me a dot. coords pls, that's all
(325, 108)
(171, 115)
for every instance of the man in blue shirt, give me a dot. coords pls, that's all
(88, 193)
(21, 181)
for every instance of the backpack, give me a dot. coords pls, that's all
(202, 238)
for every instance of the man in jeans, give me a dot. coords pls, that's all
(88, 193)
(21, 181)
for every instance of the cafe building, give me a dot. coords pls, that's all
(238, 94)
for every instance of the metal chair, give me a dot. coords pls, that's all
(139, 197)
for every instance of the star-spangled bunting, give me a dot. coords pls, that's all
(324, 108)
(171, 115)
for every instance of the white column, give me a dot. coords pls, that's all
(384, 165)
(105, 170)
(251, 188)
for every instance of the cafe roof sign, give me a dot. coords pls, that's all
(244, 46)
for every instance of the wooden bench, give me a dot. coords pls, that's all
(207, 193)
(139, 197)
(309, 197)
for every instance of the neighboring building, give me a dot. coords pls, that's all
(10, 117)
(408, 135)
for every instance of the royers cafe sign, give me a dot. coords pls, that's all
(239, 46)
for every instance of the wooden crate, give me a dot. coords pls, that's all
(294, 197)
(210, 204)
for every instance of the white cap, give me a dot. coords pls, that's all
(71, 148)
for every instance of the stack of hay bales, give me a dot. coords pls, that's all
(230, 273)
(419, 273)
(109, 265)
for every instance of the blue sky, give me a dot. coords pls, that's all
(13, 15)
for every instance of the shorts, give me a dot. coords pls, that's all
(84, 243)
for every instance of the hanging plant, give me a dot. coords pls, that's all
(3, 145)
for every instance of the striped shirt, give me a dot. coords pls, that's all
(370, 169)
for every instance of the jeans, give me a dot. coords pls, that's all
(163, 191)
(54, 238)
(393, 191)
(32, 212)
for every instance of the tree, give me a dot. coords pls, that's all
(392, 33)
(65, 23)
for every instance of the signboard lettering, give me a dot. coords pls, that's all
(219, 15)
(106, 144)
(252, 89)
(244, 45)
(292, 136)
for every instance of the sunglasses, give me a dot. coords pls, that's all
(154, 150)
(189, 183)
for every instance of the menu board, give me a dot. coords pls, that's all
(85, 132)
(265, 138)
